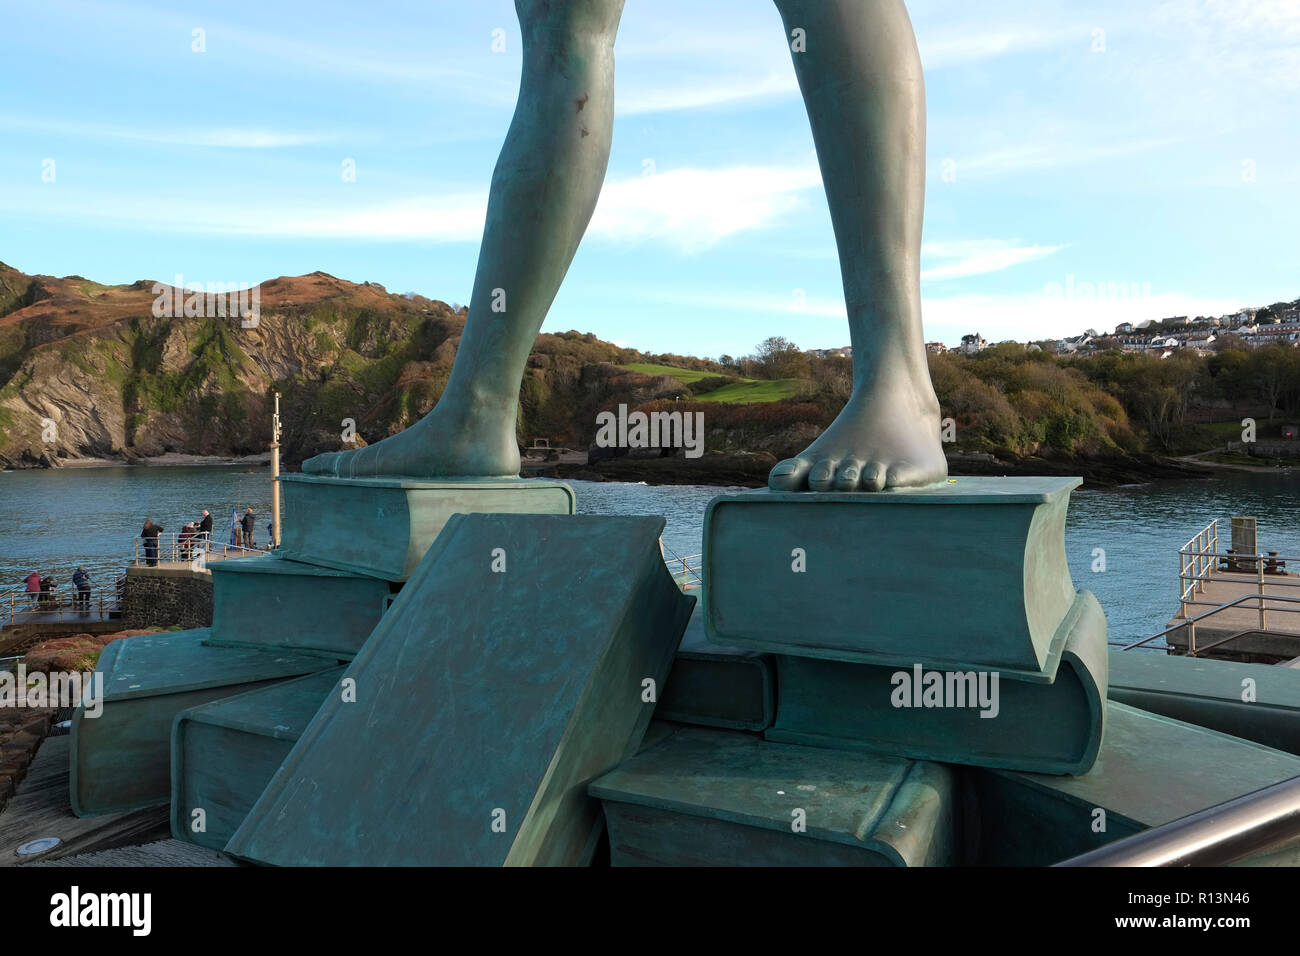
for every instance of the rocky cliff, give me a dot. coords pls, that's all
(88, 370)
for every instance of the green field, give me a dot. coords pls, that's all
(751, 391)
(746, 391)
(684, 375)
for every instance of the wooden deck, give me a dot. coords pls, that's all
(41, 808)
(1279, 638)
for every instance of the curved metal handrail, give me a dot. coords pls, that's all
(1233, 830)
(691, 575)
(1214, 610)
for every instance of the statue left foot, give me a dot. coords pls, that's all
(884, 437)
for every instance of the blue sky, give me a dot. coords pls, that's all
(1146, 149)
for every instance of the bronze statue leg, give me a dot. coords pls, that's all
(861, 79)
(544, 190)
(860, 75)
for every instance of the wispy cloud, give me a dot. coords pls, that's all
(452, 217)
(706, 92)
(1041, 315)
(972, 257)
(695, 208)
(1042, 154)
(749, 69)
(221, 136)
(962, 49)
(1024, 317)
(796, 303)
(687, 209)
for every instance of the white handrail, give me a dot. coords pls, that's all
(177, 548)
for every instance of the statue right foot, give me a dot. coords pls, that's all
(437, 446)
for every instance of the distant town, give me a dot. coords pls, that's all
(1277, 324)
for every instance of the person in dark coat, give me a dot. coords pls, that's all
(249, 523)
(150, 535)
(81, 580)
(204, 531)
(48, 584)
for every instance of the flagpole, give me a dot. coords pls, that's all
(275, 474)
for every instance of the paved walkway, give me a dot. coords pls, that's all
(1283, 616)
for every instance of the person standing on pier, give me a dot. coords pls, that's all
(81, 580)
(249, 523)
(33, 587)
(150, 535)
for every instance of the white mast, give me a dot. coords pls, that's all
(275, 474)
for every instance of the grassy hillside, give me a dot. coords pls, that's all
(684, 375)
(119, 381)
(751, 391)
(722, 388)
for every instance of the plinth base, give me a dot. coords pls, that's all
(275, 603)
(962, 716)
(718, 686)
(384, 526)
(225, 753)
(520, 661)
(1151, 770)
(724, 798)
(971, 571)
(1259, 702)
(121, 759)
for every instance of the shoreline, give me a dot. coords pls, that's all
(168, 460)
(751, 469)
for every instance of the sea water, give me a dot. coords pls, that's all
(51, 521)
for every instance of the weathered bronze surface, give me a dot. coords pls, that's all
(725, 798)
(224, 753)
(520, 661)
(122, 759)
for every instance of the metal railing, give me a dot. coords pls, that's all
(177, 548)
(686, 570)
(1190, 623)
(61, 604)
(1200, 563)
(1243, 827)
(1192, 555)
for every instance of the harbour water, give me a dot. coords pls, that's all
(51, 521)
